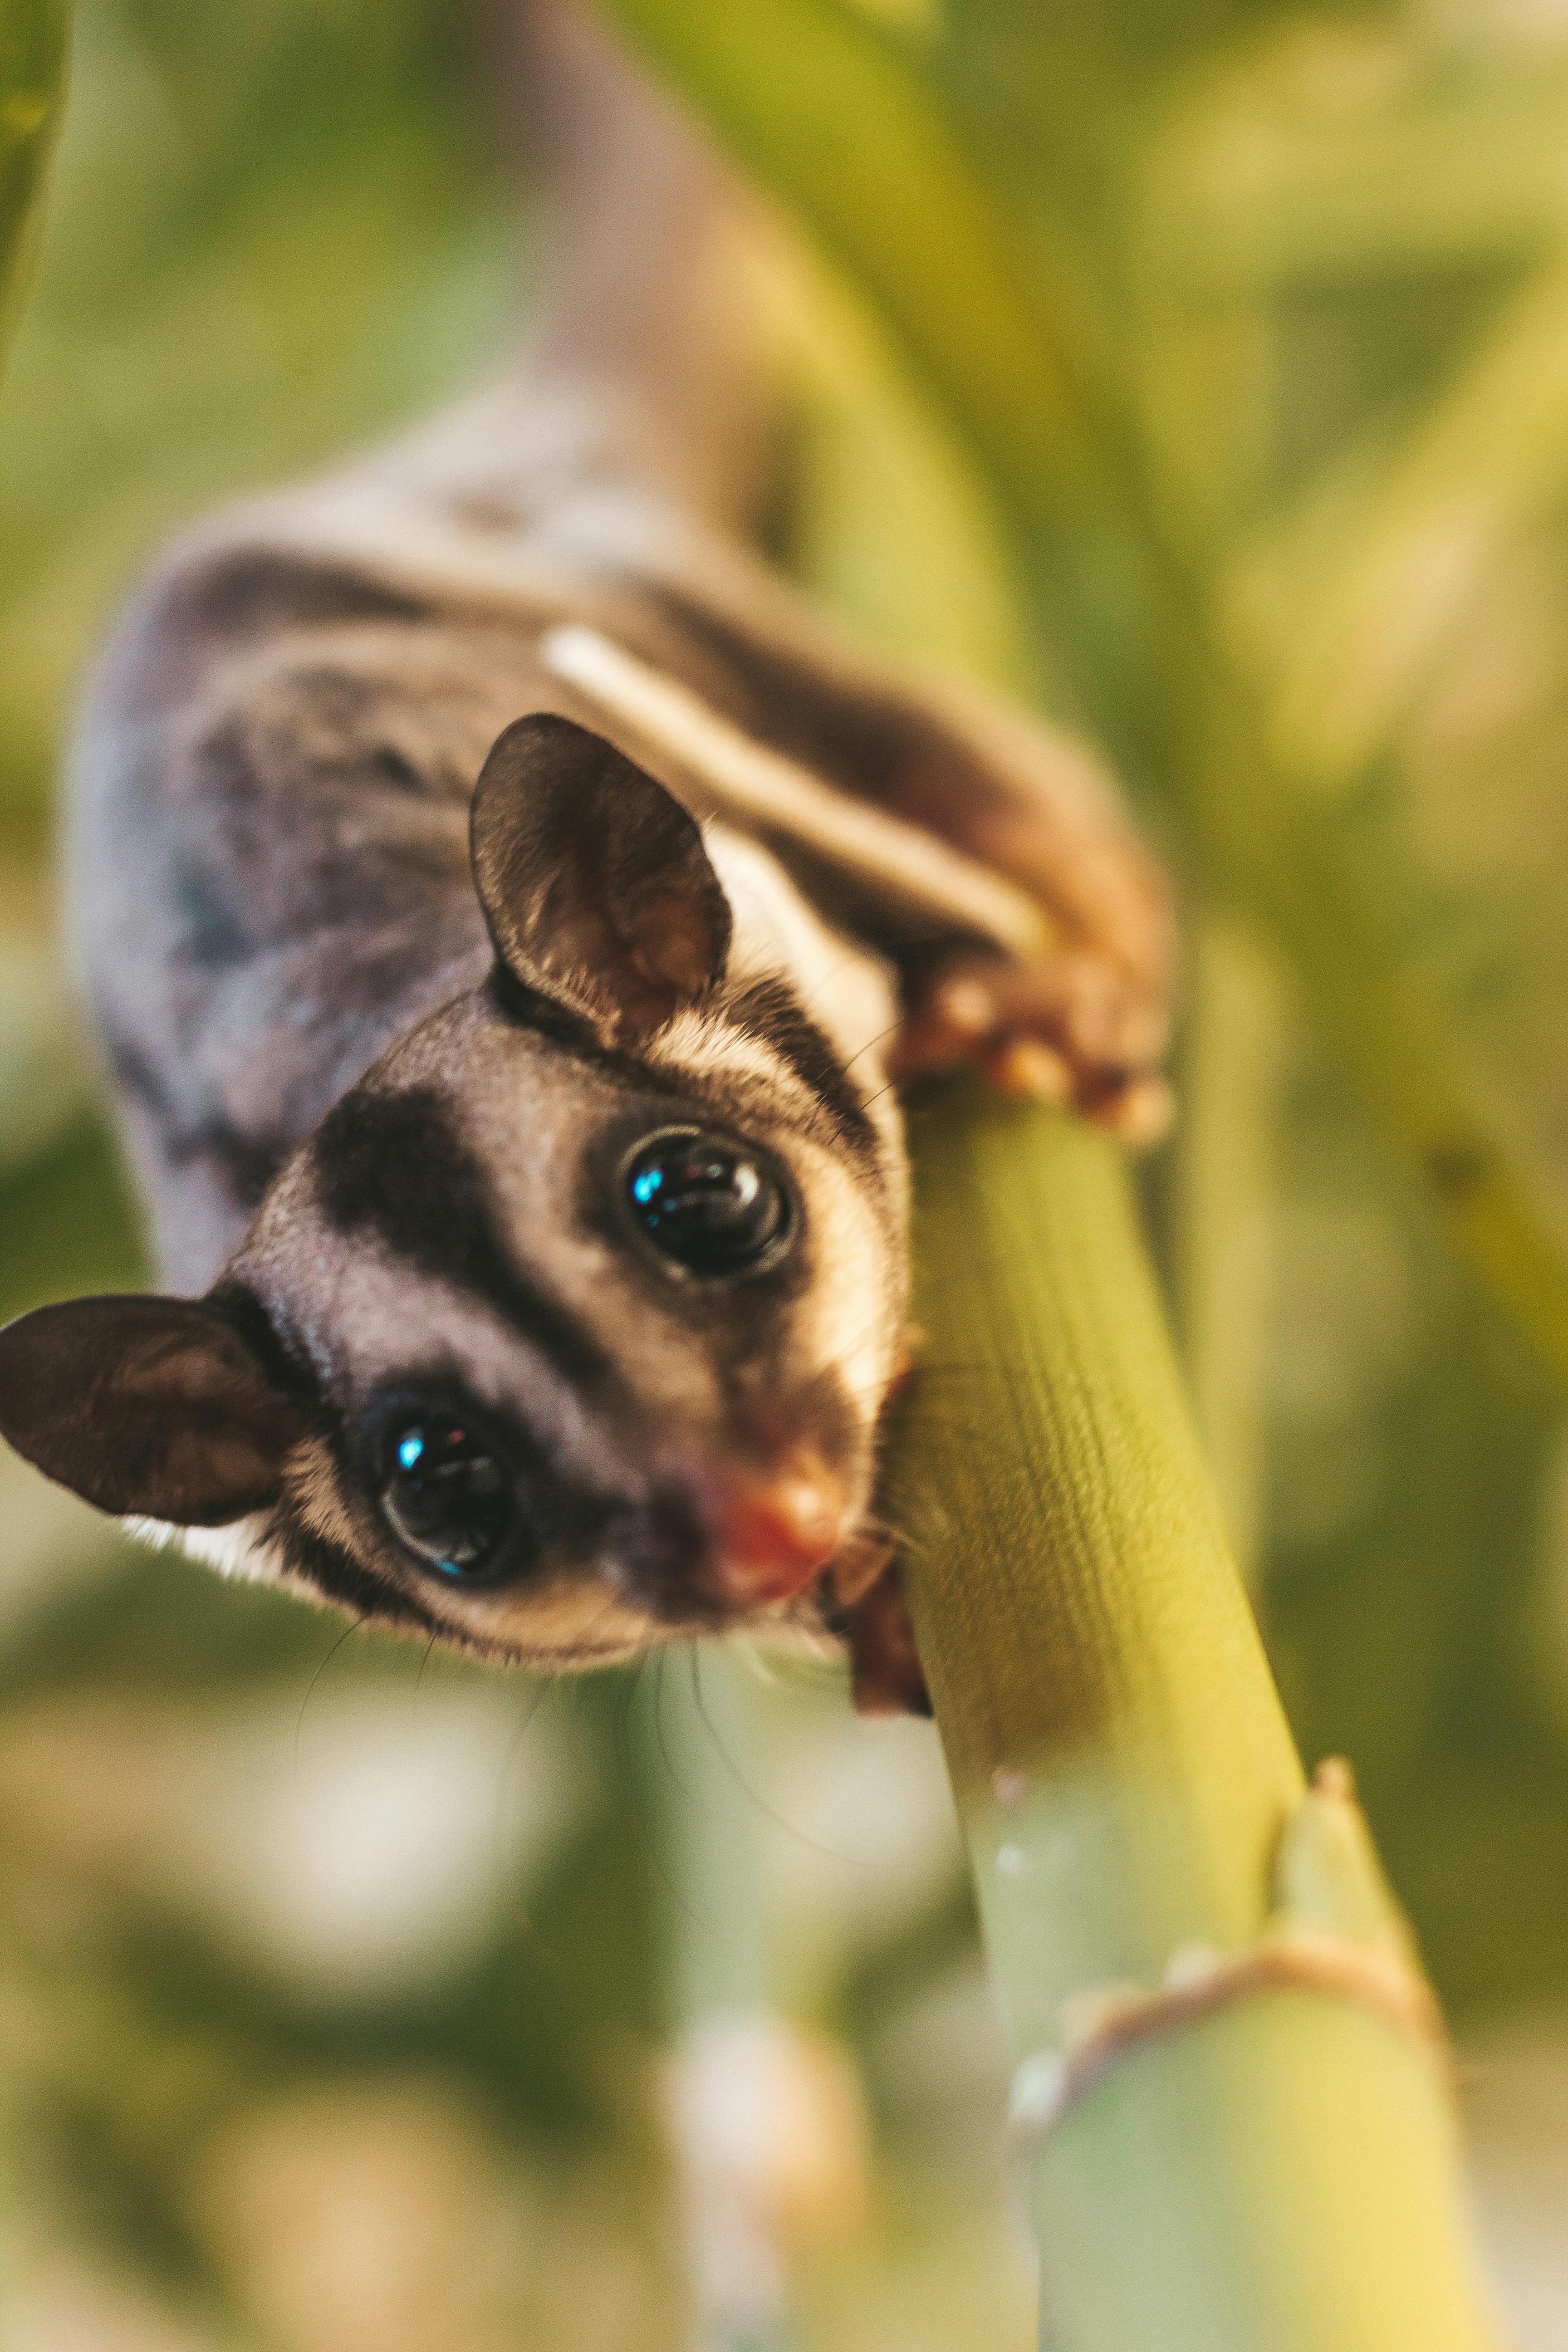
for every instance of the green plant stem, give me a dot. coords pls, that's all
(35, 38)
(1277, 2177)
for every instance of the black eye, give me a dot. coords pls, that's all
(448, 1496)
(710, 1204)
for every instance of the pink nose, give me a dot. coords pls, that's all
(772, 1535)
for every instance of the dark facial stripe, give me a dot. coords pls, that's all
(339, 1577)
(394, 1164)
(527, 1008)
(770, 1010)
(287, 1368)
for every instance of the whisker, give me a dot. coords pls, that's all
(543, 1687)
(890, 1031)
(691, 1795)
(355, 1627)
(621, 1735)
(854, 1862)
(419, 1677)
(855, 955)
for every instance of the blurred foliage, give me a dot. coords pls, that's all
(272, 229)
(33, 43)
(1039, 209)
(1212, 386)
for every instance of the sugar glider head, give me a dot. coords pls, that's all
(569, 1326)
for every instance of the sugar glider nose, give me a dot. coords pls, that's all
(772, 1535)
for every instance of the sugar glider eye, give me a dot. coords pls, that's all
(711, 1205)
(449, 1498)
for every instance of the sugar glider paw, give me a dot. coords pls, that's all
(886, 1676)
(1085, 1022)
(1075, 1028)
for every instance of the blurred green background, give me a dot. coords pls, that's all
(336, 1978)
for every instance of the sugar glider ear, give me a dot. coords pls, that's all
(146, 1405)
(593, 879)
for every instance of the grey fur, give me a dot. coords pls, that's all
(389, 1165)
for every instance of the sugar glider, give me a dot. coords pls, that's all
(506, 910)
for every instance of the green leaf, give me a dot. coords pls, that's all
(34, 39)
